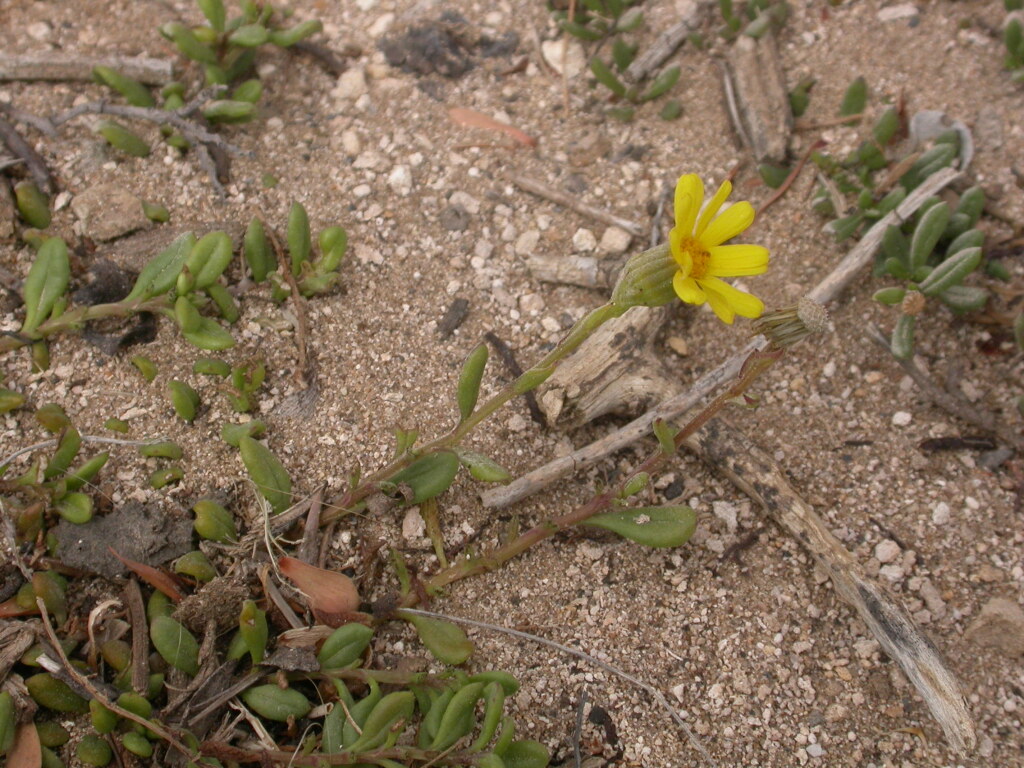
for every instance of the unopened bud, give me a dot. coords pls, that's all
(913, 303)
(646, 279)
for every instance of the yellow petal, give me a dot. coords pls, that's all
(737, 260)
(741, 303)
(689, 196)
(680, 254)
(687, 289)
(721, 307)
(712, 207)
(733, 220)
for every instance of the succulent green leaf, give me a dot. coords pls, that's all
(483, 468)
(134, 92)
(964, 298)
(68, 447)
(526, 754)
(606, 77)
(668, 526)
(494, 702)
(855, 99)
(175, 644)
(951, 272)
(286, 38)
(250, 91)
(276, 703)
(33, 204)
(10, 400)
(927, 233)
(47, 281)
(209, 336)
(885, 128)
(209, 258)
(213, 522)
(249, 36)
(197, 565)
(8, 722)
(85, 473)
(773, 175)
(252, 626)
(161, 273)
(188, 43)
(428, 476)
(123, 139)
(213, 10)
(446, 641)
(258, 254)
(233, 433)
(184, 399)
(890, 296)
(800, 96)
(459, 716)
(229, 111)
(508, 683)
(299, 237)
(662, 83)
(578, 30)
(344, 646)
(972, 203)
(622, 54)
(49, 692)
(472, 374)
(666, 435)
(75, 508)
(186, 315)
(902, 343)
(384, 724)
(268, 474)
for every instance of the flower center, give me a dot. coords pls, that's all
(699, 256)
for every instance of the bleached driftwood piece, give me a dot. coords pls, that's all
(758, 101)
(584, 271)
(754, 472)
(615, 371)
(827, 290)
(656, 55)
(54, 65)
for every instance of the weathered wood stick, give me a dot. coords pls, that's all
(666, 45)
(840, 277)
(54, 65)
(567, 200)
(753, 471)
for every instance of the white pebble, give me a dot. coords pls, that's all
(940, 515)
(886, 551)
(584, 240)
(901, 418)
(400, 180)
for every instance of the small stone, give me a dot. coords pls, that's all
(526, 243)
(615, 240)
(413, 527)
(892, 572)
(565, 57)
(1000, 625)
(467, 201)
(940, 514)
(350, 143)
(815, 750)
(370, 160)
(362, 190)
(550, 324)
(516, 423)
(725, 512)
(351, 84)
(834, 713)
(886, 551)
(990, 574)
(988, 128)
(678, 345)
(108, 211)
(897, 12)
(40, 30)
(367, 254)
(901, 419)
(381, 25)
(531, 303)
(584, 240)
(400, 180)
(829, 370)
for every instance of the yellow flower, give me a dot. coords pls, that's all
(696, 244)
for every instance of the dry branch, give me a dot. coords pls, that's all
(54, 65)
(827, 290)
(567, 200)
(758, 103)
(753, 471)
(666, 45)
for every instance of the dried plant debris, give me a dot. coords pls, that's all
(445, 47)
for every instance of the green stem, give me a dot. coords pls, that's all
(529, 380)
(73, 320)
(756, 364)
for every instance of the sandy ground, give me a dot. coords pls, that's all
(766, 664)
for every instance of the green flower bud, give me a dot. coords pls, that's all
(646, 280)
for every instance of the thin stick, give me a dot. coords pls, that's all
(949, 402)
(829, 122)
(653, 692)
(784, 187)
(55, 65)
(190, 130)
(299, 303)
(140, 636)
(568, 201)
(827, 290)
(578, 733)
(36, 165)
(95, 692)
(85, 439)
(657, 54)
(753, 471)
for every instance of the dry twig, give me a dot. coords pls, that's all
(32, 159)
(567, 200)
(58, 65)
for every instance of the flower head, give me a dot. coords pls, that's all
(697, 246)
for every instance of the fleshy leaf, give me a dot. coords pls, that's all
(651, 526)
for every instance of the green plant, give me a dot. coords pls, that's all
(755, 19)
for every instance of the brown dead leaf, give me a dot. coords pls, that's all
(331, 595)
(473, 119)
(152, 576)
(26, 752)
